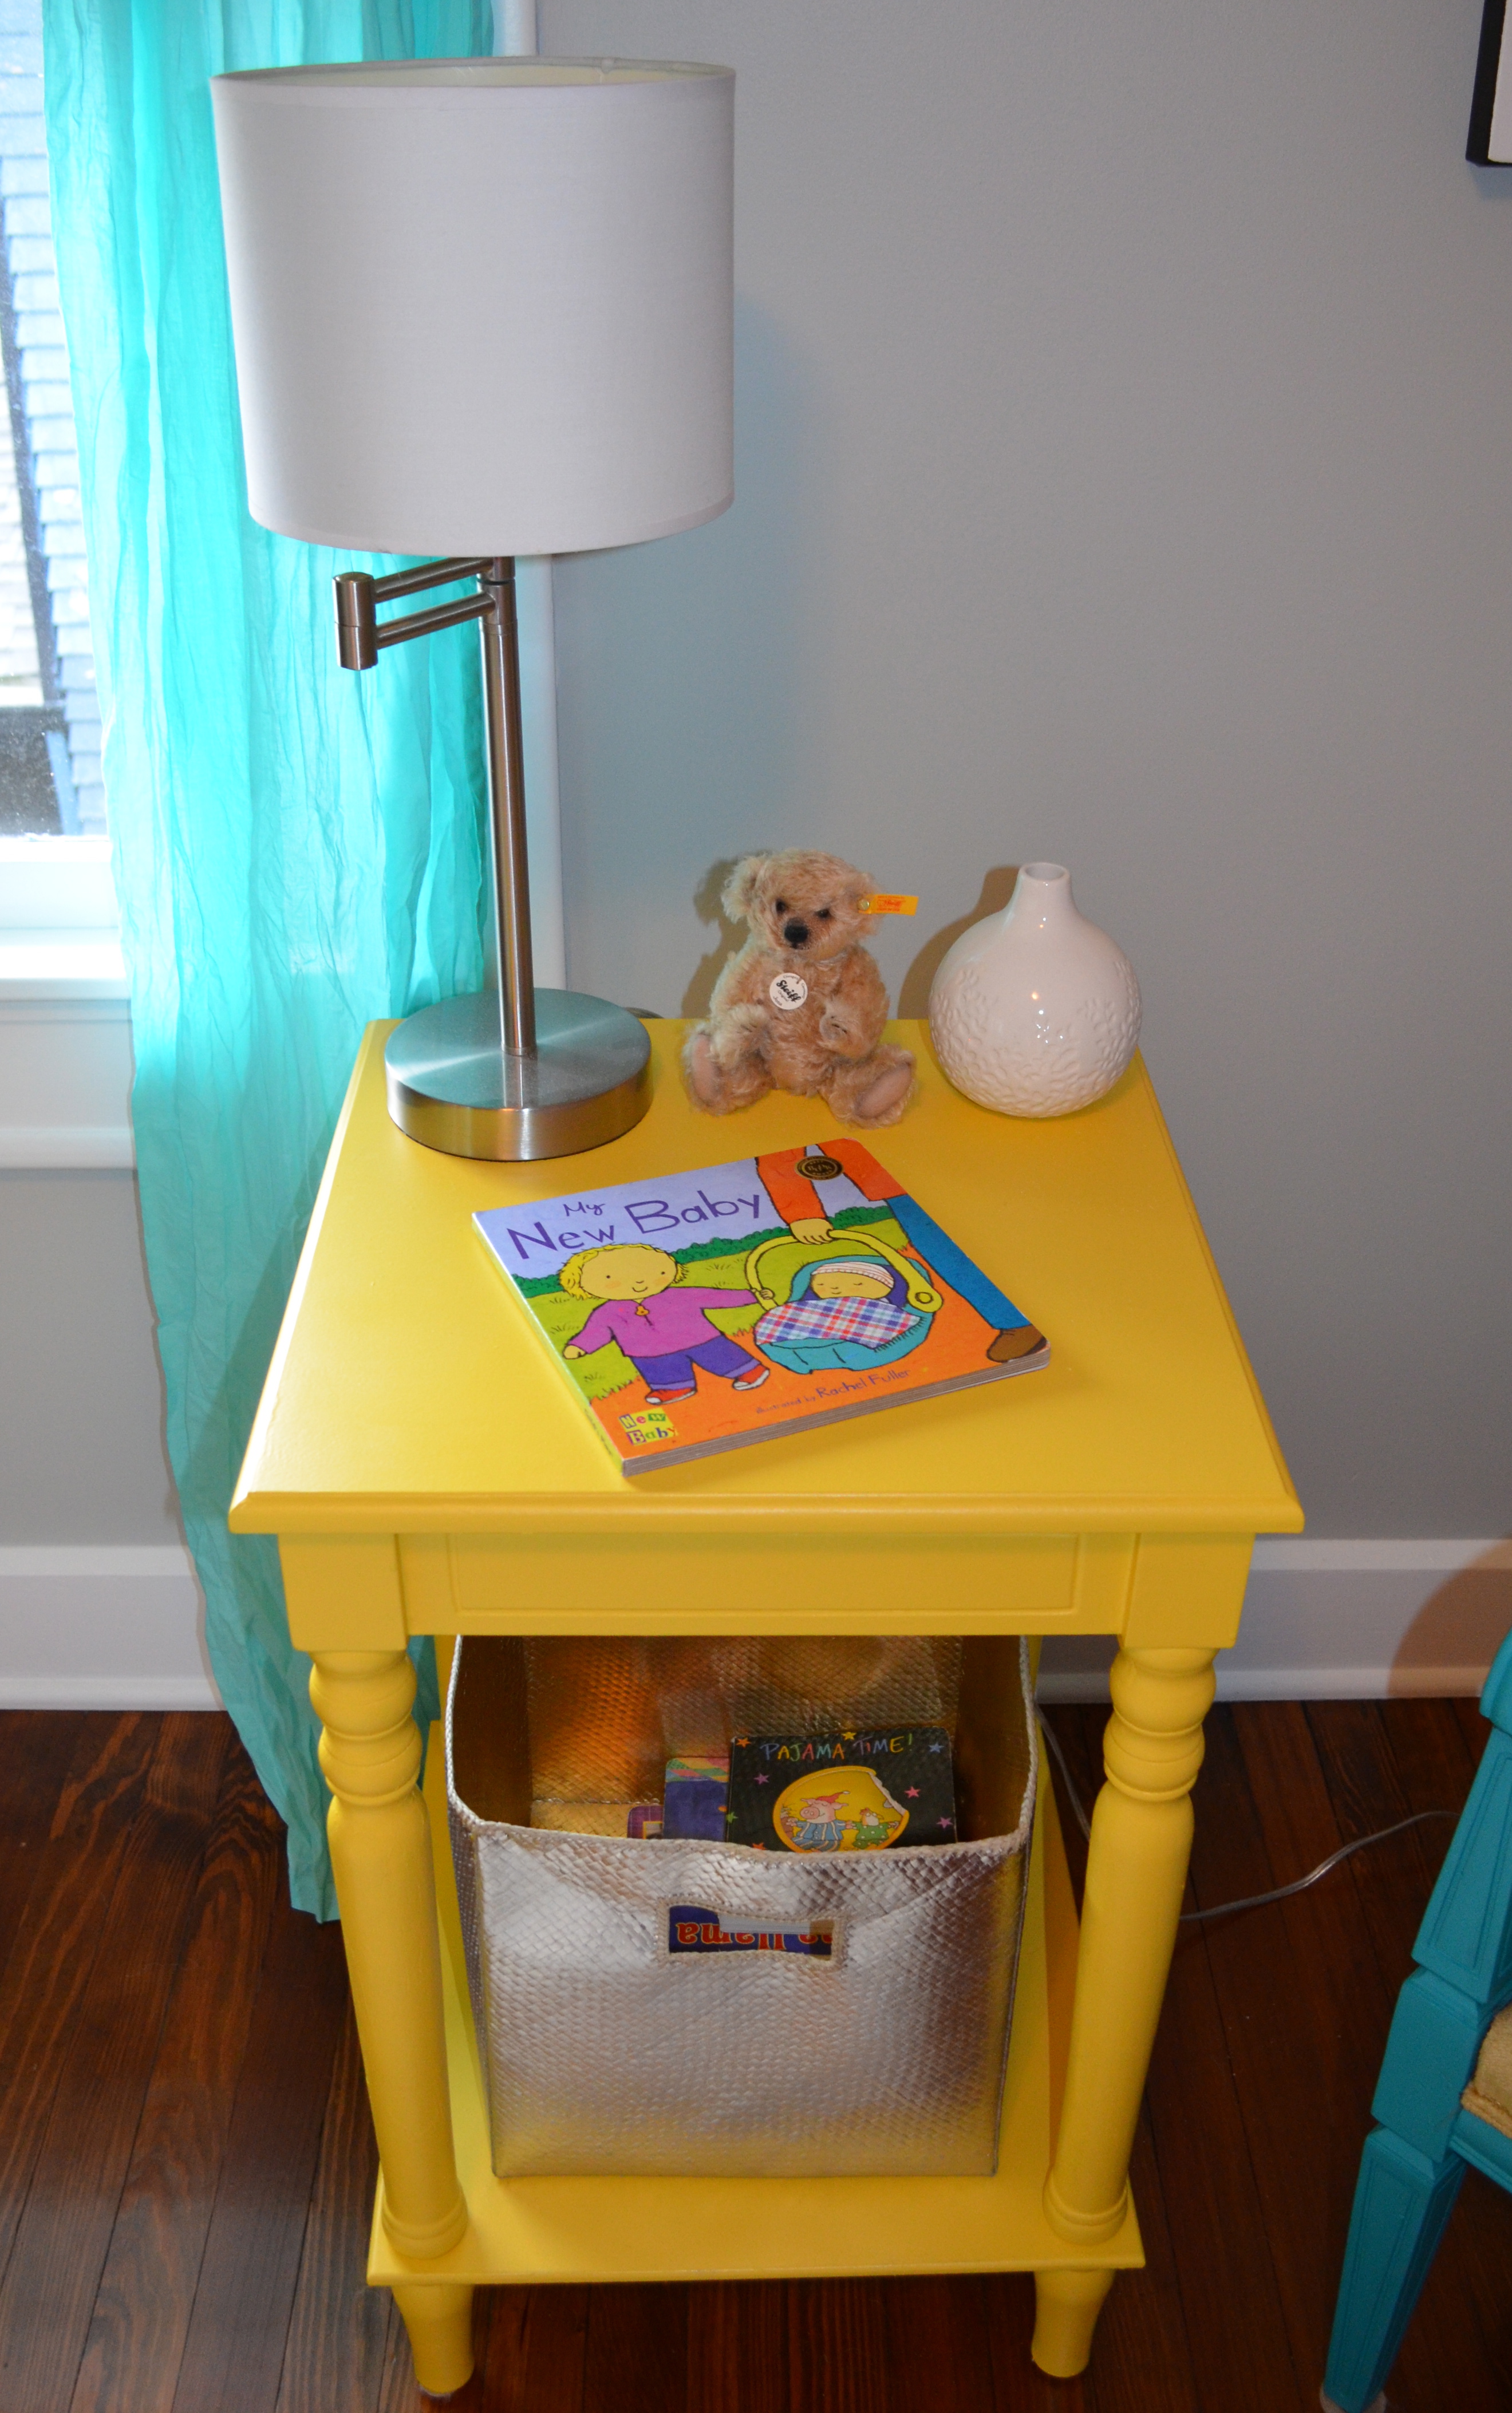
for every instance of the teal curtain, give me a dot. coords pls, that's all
(297, 851)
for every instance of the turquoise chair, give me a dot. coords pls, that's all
(1445, 2095)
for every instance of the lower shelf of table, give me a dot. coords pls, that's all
(531, 2230)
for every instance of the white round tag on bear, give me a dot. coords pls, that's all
(788, 992)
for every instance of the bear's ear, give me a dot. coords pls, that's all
(855, 888)
(740, 888)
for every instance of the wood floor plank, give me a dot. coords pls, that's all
(1472, 1725)
(838, 2346)
(37, 1750)
(146, 2291)
(233, 2352)
(1436, 1760)
(535, 2356)
(1393, 1879)
(1473, 2259)
(737, 2348)
(1234, 2323)
(338, 2336)
(103, 2079)
(1244, 2162)
(1341, 2007)
(1365, 1795)
(637, 2350)
(939, 2345)
(1273, 2034)
(53, 1954)
(100, 2083)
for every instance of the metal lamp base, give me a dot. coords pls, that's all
(452, 1086)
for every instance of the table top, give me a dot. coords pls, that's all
(409, 1393)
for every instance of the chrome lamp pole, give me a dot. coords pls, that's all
(515, 1073)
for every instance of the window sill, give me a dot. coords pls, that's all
(37, 964)
(66, 1061)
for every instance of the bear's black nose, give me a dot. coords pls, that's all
(795, 933)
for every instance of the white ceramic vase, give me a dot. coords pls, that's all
(1035, 1010)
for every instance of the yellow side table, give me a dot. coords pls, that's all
(426, 1471)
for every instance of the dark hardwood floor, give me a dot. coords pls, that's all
(186, 2164)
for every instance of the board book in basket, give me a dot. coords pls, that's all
(699, 1312)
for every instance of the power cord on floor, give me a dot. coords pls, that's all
(1249, 1901)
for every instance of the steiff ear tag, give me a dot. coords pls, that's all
(788, 992)
(889, 904)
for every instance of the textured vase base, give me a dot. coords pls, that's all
(1035, 1012)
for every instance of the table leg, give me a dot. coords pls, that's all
(1135, 1872)
(1066, 2305)
(381, 1854)
(438, 2315)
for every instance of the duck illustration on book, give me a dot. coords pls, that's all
(791, 1179)
(849, 1810)
(658, 1320)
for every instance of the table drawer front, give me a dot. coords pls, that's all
(792, 1584)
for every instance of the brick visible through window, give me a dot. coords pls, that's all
(50, 729)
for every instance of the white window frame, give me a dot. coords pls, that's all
(64, 1022)
(58, 916)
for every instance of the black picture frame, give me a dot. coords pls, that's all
(1491, 130)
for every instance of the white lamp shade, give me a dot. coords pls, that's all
(482, 305)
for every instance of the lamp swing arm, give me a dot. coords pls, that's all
(360, 638)
(360, 635)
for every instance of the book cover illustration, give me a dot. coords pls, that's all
(862, 1790)
(697, 1787)
(701, 1310)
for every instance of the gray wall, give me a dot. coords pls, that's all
(1124, 395)
(81, 1456)
(1125, 391)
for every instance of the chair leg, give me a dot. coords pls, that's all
(1402, 2203)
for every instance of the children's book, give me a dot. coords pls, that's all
(859, 1791)
(693, 1802)
(702, 1310)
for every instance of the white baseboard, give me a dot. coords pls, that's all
(102, 1629)
(122, 1629)
(1341, 1621)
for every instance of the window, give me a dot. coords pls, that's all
(57, 906)
(50, 731)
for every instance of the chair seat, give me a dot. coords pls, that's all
(1489, 2094)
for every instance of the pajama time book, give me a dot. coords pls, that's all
(698, 1311)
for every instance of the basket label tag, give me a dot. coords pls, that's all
(691, 1928)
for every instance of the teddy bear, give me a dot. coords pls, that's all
(802, 1006)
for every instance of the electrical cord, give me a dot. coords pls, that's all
(1249, 1901)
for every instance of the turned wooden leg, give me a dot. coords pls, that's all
(381, 1850)
(439, 2318)
(1066, 2305)
(1135, 1871)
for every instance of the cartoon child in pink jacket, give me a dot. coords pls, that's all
(658, 1320)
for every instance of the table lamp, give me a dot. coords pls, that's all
(483, 308)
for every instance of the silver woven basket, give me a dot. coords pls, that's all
(606, 2052)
